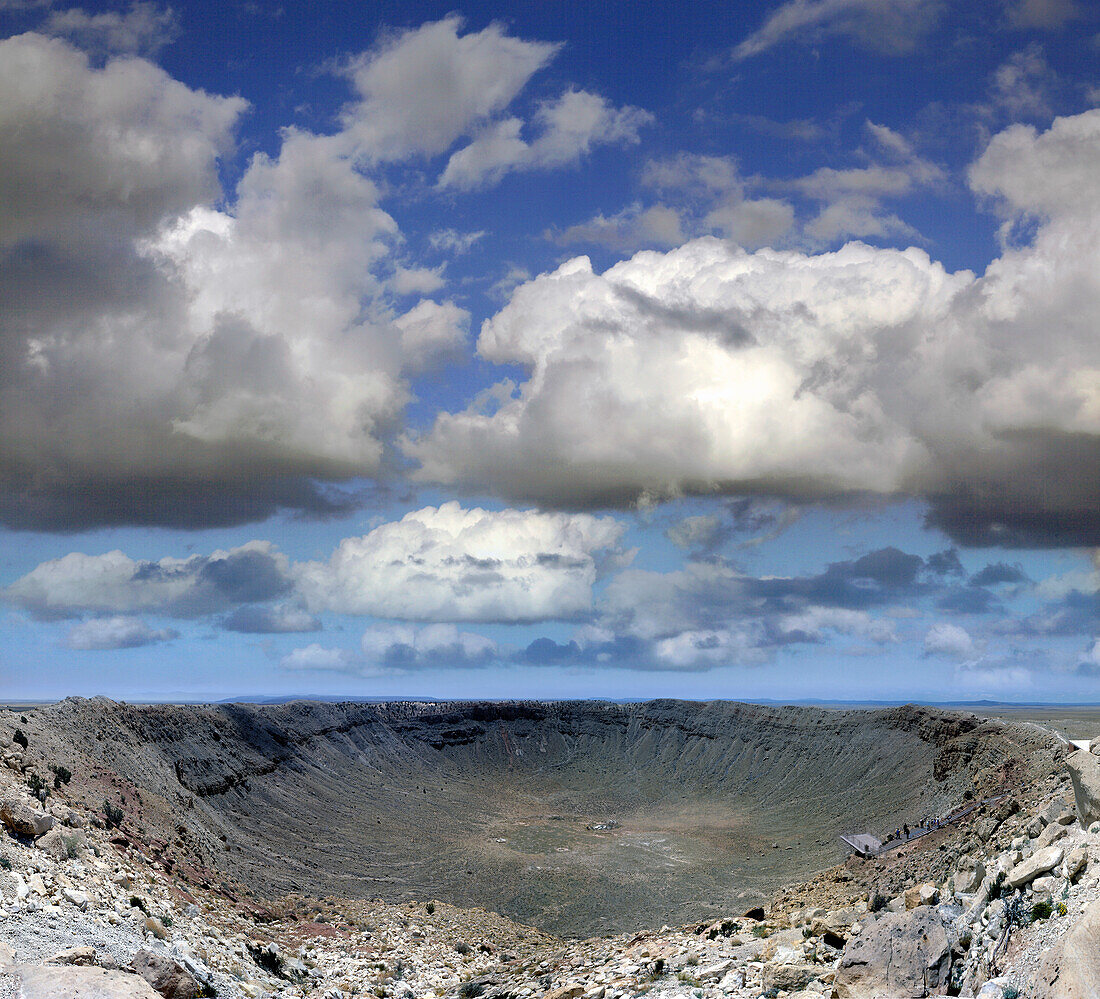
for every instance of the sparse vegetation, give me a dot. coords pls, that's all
(656, 969)
(431, 908)
(37, 786)
(1018, 912)
(760, 931)
(5, 863)
(61, 775)
(72, 843)
(113, 814)
(462, 947)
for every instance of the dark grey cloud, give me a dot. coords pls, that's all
(999, 574)
(881, 576)
(968, 600)
(1076, 613)
(31, 502)
(547, 652)
(945, 563)
(262, 620)
(112, 583)
(1036, 489)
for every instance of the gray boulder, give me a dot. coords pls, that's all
(969, 877)
(1084, 771)
(23, 819)
(790, 977)
(903, 954)
(52, 844)
(1031, 867)
(83, 956)
(51, 981)
(1050, 835)
(170, 978)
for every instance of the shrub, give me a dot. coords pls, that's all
(20, 738)
(37, 785)
(431, 908)
(1011, 992)
(1062, 910)
(1018, 912)
(471, 990)
(1040, 910)
(113, 814)
(72, 845)
(5, 862)
(462, 947)
(760, 931)
(61, 775)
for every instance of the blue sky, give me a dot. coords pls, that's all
(706, 350)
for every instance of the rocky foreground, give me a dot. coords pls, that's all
(1001, 904)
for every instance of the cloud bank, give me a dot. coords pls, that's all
(865, 370)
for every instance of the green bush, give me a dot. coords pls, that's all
(1040, 910)
(5, 863)
(61, 775)
(37, 785)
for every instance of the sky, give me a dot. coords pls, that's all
(739, 350)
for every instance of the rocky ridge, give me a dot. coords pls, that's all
(1003, 900)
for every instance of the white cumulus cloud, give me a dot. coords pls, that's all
(447, 563)
(119, 632)
(945, 639)
(567, 128)
(810, 375)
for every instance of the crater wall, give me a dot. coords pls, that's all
(579, 817)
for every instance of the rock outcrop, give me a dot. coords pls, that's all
(48, 982)
(1072, 971)
(1084, 771)
(903, 954)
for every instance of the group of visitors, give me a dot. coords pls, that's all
(905, 833)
